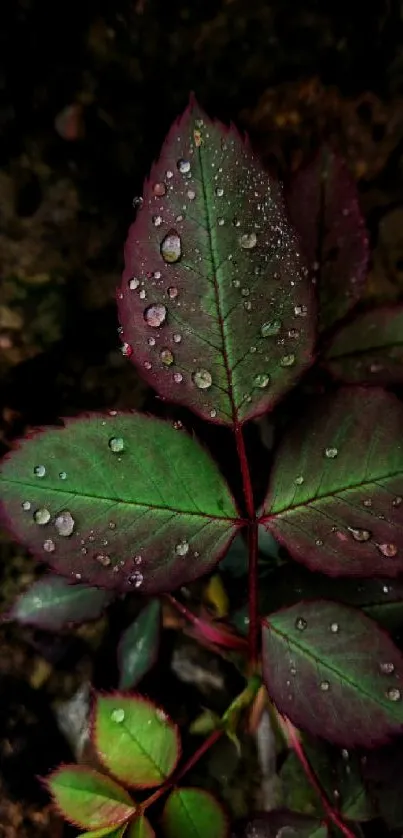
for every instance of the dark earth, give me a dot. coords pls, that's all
(88, 93)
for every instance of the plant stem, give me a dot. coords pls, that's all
(253, 634)
(209, 631)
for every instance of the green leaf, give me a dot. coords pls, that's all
(334, 672)
(138, 646)
(215, 304)
(106, 833)
(140, 828)
(121, 501)
(336, 490)
(194, 813)
(89, 799)
(53, 603)
(369, 350)
(135, 740)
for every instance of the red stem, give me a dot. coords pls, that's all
(296, 745)
(208, 631)
(253, 635)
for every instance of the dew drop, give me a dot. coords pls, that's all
(169, 174)
(151, 341)
(103, 559)
(127, 350)
(176, 337)
(221, 222)
(63, 475)
(155, 315)
(301, 311)
(331, 453)
(219, 191)
(360, 535)
(334, 627)
(172, 292)
(183, 166)
(118, 715)
(270, 328)
(48, 545)
(388, 550)
(39, 471)
(299, 480)
(300, 624)
(191, 194)
(159, 189)
(134, 283)
(171, 248)
(142, 294)
(248, 240)
(387, 668)
(167, 357)
(319, 542)
(345, 754)
(178, 377)
(136, 579)
(26, 505)
(157, 220)
(116, 444)
(213, 413)
(367, 502)
(287, 361)
(325, 686)
(182, 548)
(202, 379)
(262, 380)
(247, 305)
(394, 694)
(65, 523)
(397, 501)
(42, 516)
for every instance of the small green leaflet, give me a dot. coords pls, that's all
(138, 646)
(120, 501)
(135, 740)
(89, 799)
(369, 350)
(106, 833)
(53, 603)
(334, 672)
(140, 828)
(194, 813)
(336, 489)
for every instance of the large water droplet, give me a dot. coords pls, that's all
(300, 624)
(387, 668)
(65, 523)
(331, 453)
(202, 379)
(261, 380)
(248, 240)
(394, 694)
(42, 516)
(360, 535)
(159, 189)
(39, 471)
(272, 327)
(183, 166)
(116, 444)
(48, 545)
(118, 715)
(171, 248)
(167, 357)
(155, 315)
(388, 550)
(182, 548)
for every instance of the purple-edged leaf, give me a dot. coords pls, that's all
(89, 799)
(135, 740)
(369, 350)
(53, 603)
(140, 828)
(122, 501)
(215, 304)
(194, 813)
(336, 490)
(280, 823)
(323, 206)
(138, 646)
(334, 672)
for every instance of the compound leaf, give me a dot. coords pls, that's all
(336, 492)
(135, 740)
(369, 350)
(334, 672)
(89, 799)
(138, 646)
(323, 206)
(53, 603)
(120, 501)
(215, 304)
(194, 813)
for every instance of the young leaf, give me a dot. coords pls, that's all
(89, 799)
(53, 603)
(194, 813)
(334, 672)
(106, 833)
(280, 823)
(369, 350)
(135, 740)
(138, 646)
(323, 206)
(124, 502)
(140, 828)
(336, 491)
(215, 304)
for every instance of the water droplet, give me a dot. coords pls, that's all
(394, 694)
(293, 333)
(202, 379)
(142, 294)
(248, 240)
(287, 361)
(299, 480)
(65, 523)
(331, 453)
(388, 550)
(176, 337)
(39, 471)
(171, 248)
(116, 444)
(183, 166)
(236, 283)
(261, 380)
(48, 545)
(325, 686)
(221, 222)
(397, 501)
(178, 377)
(247, 305)
(157, 220)
(138, 559)
(169, 174)
(245, 292)
(134, 283)
(300, 624)
(42, 516)
(182, 548)
(367, 502)
(334, 627)
(219, 191)
(136, 579)
(172, 292)
(167, 357)
(62, 475)
(26, 505)
(159, 189)
(151, 341)
(103, 559)
(155, 315)
(345, 754)
(191, 194)
(301, 311)
(118, 715)
(272, 327)
(127, 350)
(319, 542)
(360, 535)
(213, 413)
(112, 525)
(387, 668)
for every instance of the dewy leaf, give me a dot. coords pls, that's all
(280, 823)
(119, 501)
(135, 740)
(89, 799)
(336, 490)
(323, 206)
(138, 646)
(53, 603)
(194, 813)
(369, 350)
(215, 304)
(334, 672)
(140, 828)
